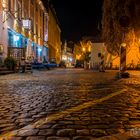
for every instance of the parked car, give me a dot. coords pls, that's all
(52, 65)
(62, 64)
(37, 65)
(79, 64)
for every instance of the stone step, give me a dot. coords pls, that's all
(6, 72)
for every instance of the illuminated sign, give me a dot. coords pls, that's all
(26, 23)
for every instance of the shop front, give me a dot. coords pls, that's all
(17, 45)
(39, 53)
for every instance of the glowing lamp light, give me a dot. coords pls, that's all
(84, 49)
(64, 58)
(39, 50)
(123, 44)
(16, 38)
(4, 4)
(89, 49)
(70, 59)
(32, 44)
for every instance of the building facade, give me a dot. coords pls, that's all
(67, 53)
(97, 49)
(54, 37)
(111, 61)
(24, 27)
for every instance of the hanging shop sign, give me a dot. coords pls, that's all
(26, 23)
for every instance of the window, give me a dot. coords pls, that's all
(10, 39)
(99, 54)
(32, 27)
(36, 7)
(36, 29)
(40, 13)
(9, 5)
(19, 10)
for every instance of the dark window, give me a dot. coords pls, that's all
(40, 13)
(9, 5)
(99, 54)
(36, 7)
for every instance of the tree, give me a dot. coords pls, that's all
(113, 32)
(82, 50)
(77, 51)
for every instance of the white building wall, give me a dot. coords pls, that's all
(95, 50)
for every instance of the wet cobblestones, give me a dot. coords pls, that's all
(27, 98)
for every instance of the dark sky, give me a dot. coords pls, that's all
(78, 18)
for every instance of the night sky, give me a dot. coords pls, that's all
(78, 18)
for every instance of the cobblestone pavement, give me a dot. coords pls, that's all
(69, 104)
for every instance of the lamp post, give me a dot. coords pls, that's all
(84, 56)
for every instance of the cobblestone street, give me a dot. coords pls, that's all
(69, 104)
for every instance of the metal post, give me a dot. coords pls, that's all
(122, 70)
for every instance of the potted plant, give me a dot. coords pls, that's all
(10, 63)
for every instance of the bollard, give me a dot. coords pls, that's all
(101, 69)
(122, 59)
(122, 71)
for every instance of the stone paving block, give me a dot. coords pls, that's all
(66, 122)
(83, 138)
(98, 126)
(73, 126)
(16, 138)
(66, 132)
(87, 122)
(58, 126)
(98, 132)
(45, 126)
(83, 132)
(114, 131)
(57, 138)
(24, 133)
(36, 138)
(46, 132)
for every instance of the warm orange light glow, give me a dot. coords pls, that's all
(89, 48)
(78, 57)
(84, 49)
(123, 44)
(4, 4)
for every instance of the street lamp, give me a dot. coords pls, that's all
(84, 49)
(123, 44)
